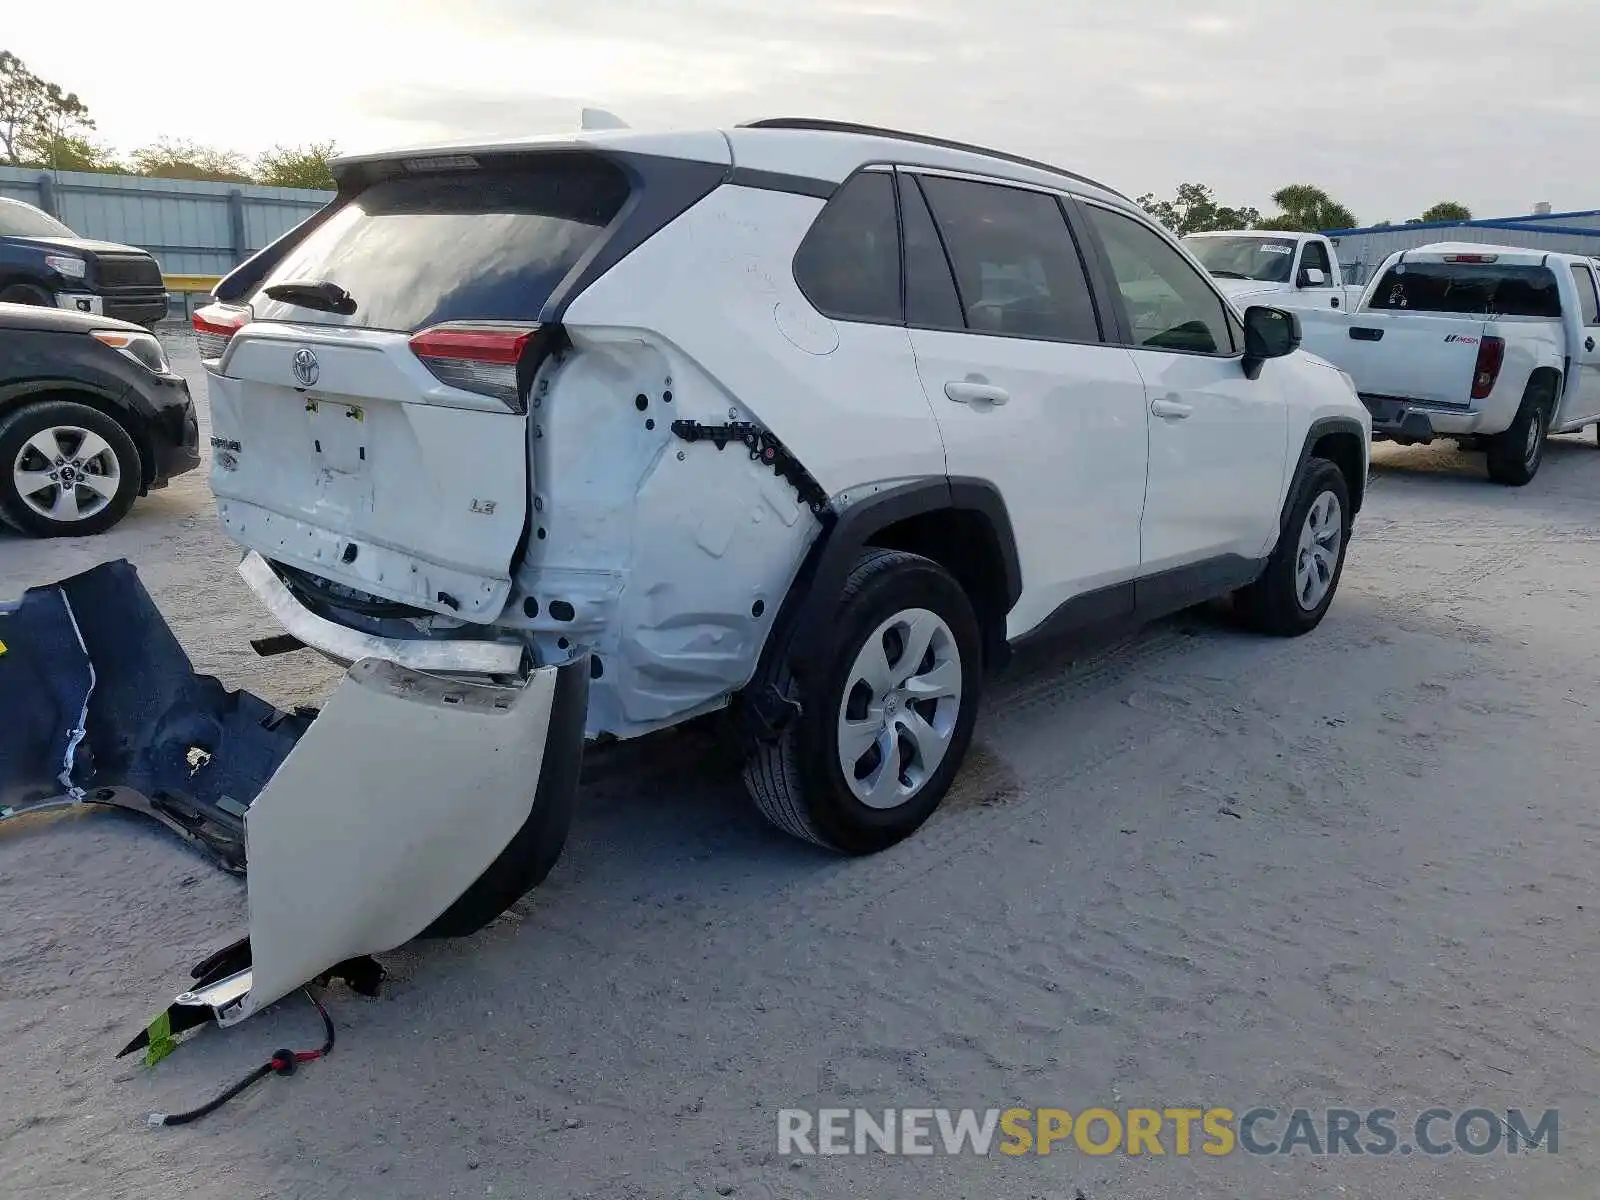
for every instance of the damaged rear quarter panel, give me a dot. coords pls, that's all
(675, 557)
(669, 559)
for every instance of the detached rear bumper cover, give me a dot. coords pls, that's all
(409, 805)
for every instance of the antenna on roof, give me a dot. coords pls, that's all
(599, 118)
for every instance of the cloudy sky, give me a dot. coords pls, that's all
(1389, 104)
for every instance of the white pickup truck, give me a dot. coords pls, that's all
(1288, 270)
(1493, 346)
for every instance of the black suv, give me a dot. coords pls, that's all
(91, 417)
(44, 262)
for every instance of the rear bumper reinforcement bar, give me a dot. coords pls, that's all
(346, 646)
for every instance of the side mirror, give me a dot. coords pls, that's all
(1312, 277)
(1268, 333)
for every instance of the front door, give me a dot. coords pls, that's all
(1314, 276)
(1217, 438)
(1027, 395)
(1583, 393)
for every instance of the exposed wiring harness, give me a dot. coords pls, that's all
(282, 1062)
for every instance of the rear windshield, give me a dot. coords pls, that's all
(489, 244)
(1475, 289)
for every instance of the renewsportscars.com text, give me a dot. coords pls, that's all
(1174, 1131)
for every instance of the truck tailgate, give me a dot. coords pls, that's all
(374, 474)
(1402, 355)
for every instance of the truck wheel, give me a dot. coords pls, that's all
(66, 470)
(1293, 594)
(26, 293)
(880, 739)
(1515, 455)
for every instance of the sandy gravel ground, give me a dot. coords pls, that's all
(1198, 867)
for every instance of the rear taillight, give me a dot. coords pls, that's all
(214, 325)
(1491, 354)
(476, 358)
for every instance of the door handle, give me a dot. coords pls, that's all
(1334, 302)
(1588, 344)
(964, 391)
(1175, 410)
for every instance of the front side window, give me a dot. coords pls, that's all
(848, 265)
(1170, 305)
(1315, 258)
(1016, 265)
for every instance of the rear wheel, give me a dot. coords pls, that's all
(1515, 455)
(881, 736)
(66, 470)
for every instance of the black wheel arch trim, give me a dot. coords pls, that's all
(1319, 429)
(14, 394)
(799, 632)
(117, 405)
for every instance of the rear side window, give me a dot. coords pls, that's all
(478, 245)
(1472, 289)
(848, 264)
(1583, 279)
(931, 300)
(1017, 268)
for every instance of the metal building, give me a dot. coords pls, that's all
(1362, 251)
(197, 230)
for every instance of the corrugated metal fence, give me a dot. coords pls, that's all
(197, 230)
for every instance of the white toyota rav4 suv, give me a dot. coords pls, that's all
(812, 421)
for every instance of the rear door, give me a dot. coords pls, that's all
(1583, 393)
(1027, 395)
(371, 427)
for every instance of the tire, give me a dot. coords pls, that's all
(800, 782)
(1286, 601)
(1515, 455)
(26, 293)
(25, 440)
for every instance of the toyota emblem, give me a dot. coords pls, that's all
(305, 367)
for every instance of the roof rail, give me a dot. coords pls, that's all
(822, 126)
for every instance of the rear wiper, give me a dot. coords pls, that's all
(322, 294)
